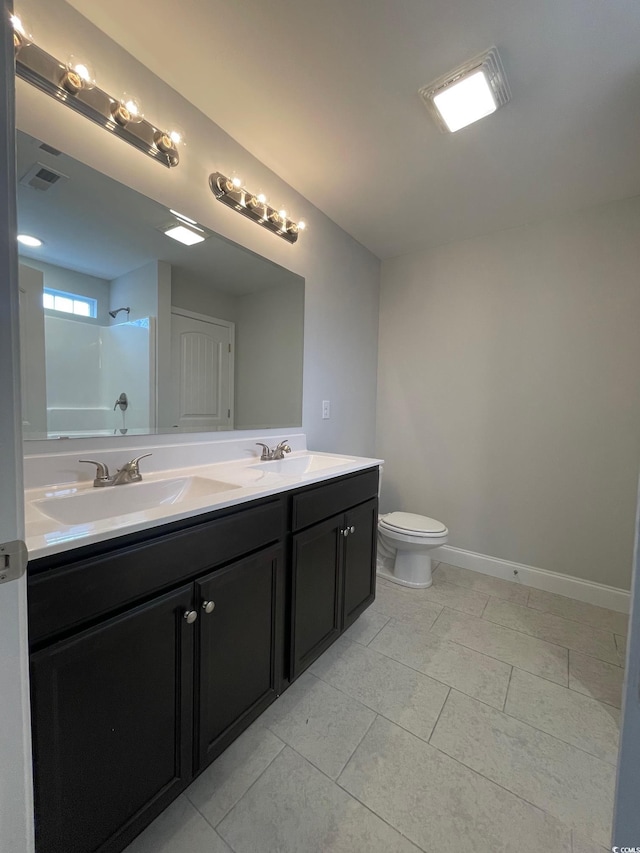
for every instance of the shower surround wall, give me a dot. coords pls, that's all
(89, 366)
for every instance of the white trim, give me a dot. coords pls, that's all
(593, 593)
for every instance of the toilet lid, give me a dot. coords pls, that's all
(413, 523)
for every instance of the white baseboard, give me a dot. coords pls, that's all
(593, 593)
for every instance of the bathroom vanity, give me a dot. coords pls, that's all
(153, 648)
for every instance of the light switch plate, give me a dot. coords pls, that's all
(326, 409)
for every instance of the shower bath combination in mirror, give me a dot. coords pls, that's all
(125, 300)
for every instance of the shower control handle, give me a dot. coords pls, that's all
(122, 403)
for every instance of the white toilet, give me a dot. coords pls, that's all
(404, 544)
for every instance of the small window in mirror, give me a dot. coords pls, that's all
(69, 303)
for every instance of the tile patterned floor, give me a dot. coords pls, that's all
(476, 715)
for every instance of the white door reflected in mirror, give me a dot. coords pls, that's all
(201, 390)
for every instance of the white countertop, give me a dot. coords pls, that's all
(248, 480)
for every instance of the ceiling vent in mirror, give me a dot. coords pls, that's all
(50, 149)
(40, 177)
(468, 93)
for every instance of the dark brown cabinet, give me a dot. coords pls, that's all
(238, 651)
(316, 566)
(333, 580)
(360, 561)
(112, 711)
(151, 653)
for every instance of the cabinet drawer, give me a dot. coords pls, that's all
(62, 599)
(336, 496)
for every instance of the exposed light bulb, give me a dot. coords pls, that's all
(236, 181)
(282, 214)
(127, 110)
(133, 106)
(21, 30)
(177, 136)
(18, 24)
(262, 198)
(79, 75)
(302, 225)
(224, 184)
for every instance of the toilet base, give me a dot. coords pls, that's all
(412, 569)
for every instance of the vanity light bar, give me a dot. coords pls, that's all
(48, 74)
(231, 192)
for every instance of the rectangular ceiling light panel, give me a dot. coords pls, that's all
(470, 92)
(186, 235)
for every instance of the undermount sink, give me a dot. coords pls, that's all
(80, 506)
(306, 464)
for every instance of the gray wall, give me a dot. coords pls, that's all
(269, 357)
(190, 293)
(508, 396)
(136, 290)
(342, 278)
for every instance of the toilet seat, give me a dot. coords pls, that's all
(413, 525)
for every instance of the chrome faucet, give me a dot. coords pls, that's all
(129, 473)
(278, 452)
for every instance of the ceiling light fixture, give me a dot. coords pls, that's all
(187, 234)
(28, 240)
(470, 92)
(230, 191)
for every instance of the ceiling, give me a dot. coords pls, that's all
(325, 94)
(122, 233)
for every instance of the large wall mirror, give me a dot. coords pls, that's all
(125, 330)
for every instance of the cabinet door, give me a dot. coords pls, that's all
(360, 560)
(112, 710)
(239, 654)
(315, 591)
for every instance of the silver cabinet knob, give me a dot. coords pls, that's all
(208, 606)
(352, 529)
(345, 532)
(190, 616)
